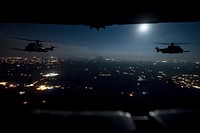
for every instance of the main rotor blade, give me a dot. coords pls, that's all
(181, 43)
(23, 39)
(167, 43)
(18, 49)
(31, 40)
(27, 39)
(164, 43)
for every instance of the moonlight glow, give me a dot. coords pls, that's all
(144, 28)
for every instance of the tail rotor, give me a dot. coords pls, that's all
(157, 49)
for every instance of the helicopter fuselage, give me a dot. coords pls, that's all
(172, 49)
(35, 47)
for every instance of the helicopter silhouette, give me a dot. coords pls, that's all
(173, 48)
(35, 46)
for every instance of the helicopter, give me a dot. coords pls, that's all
(173, 48)
(35, 46)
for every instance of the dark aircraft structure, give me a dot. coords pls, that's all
(35, 46)
(171, 49)
(99, 14)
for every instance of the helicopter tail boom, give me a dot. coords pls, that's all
(51, 48)
(157, 49)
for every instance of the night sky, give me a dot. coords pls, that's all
(134, 41)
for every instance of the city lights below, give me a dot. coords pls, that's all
(131, 78)
(30, 85)
(3, 83)
(187, 81)
(141, 78)
(22, 92)
(44, 87)
(12, 86)
(51, 74)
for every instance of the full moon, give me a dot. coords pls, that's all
(144, 27)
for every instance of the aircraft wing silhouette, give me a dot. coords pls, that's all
(100, 14)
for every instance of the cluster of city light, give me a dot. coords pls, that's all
(44, 87)
(3, 83)
(104, 74)
(29, 85)
(21, 92)
(32, 84)
(161, 75)
(19, 61)
(8, 85)
(187, 81)
(130, 94)
(89, 88)
(141, 78)
(50, 74)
